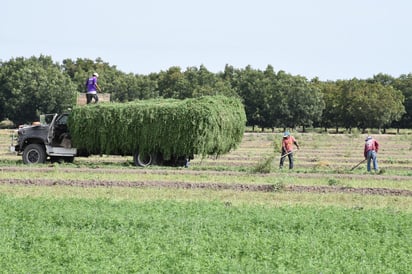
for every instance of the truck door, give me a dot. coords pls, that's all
(50, 135)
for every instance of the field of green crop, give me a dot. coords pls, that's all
(236, 213)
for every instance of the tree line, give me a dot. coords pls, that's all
(272, 99)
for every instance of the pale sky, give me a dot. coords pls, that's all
(329, 39)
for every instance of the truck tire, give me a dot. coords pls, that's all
(142, 159)
(34, 154)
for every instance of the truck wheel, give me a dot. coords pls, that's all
(34, 154)
(142, 159)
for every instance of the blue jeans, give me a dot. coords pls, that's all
(282, 159)
(371, 156)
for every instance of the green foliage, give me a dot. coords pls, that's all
(255, 89)
(404, 84)
(121, 86)
(333, 182)
(358, 103)
(332, 114)
(102, 236)
(277, 145)
(29, 87)
(193, 82)
(264, 166)
(303, 103)
(36, 85)
(278, 99)
(210, 125)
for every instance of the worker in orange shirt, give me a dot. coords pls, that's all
(287, 149)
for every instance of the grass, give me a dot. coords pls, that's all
(286, 178)
(101, 235)
(123, 229)
(235, 198)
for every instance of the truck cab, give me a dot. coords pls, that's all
(48, 138)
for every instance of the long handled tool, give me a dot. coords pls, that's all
(357, 164)
(288, 153)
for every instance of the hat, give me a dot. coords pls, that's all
(286, 134)
(368, 138)
(95, 74)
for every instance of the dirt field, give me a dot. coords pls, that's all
(321, 156)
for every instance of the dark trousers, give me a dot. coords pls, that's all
(283, 157)
(89, 98)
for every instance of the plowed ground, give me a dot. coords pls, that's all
(321, 156)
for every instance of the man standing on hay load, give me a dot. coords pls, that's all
(287, 149)
(92, 88)
(370, 151)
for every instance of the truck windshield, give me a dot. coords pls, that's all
(46, 119)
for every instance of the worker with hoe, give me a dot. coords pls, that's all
(287, 149)
(370, 151)
(92, 88)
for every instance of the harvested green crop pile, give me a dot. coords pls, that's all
(210, 125)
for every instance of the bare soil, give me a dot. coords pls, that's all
(211, 186)
(317, 151)
(212, 172)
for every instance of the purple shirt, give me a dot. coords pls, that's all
(91, 84)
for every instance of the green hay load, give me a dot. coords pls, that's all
(210, 125)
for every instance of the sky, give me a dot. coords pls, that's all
(331, 40)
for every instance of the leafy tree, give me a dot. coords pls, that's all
(173, 84)
(390, 106)
(276, 99)
(252, 88)
(204, 82)
(404, 84)
(29, 87)
(193, 82)
(302, 102)
(81, 69)
(346, 107)
(122, 87)
(366, 104)
(36, 85)
(384, 79)
(332, 114)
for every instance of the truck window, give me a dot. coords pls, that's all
(62, 120)
(46, 118)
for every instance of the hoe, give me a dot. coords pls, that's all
(357, 164)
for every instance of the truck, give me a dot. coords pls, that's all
(49, 139)
(155, 131)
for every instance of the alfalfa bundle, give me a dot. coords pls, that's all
(210, 125)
